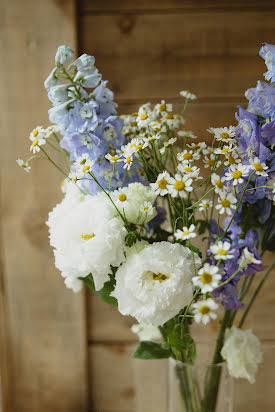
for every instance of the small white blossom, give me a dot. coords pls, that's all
(247, 258)
(204, 310)
(112, 158)
(188, 95)
(225, 134)
(259, 167)
(205, 204)
(185, 233)
(218, 182)
(38, 138)
(210, 160)
(83, 164)
(221, 250)
(208, 278)
(225, 150)
(24, 165)
(120, 197)
(190, 171)
(188, 134)
(160, 186)
(170, 142)
(237, 173)
(188, 155)
(180, 186)
(226, 202)
(163, 107)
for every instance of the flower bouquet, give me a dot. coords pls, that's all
(169, 230)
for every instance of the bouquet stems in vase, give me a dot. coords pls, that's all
(169, 230)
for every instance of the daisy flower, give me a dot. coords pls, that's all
(232, 158)
(197, 147)
(226, 202)
(185, 233)
(112, 159)
(147, 209)
(83, 164)
(237, 173)
(225, 134)
(259, 167)
(38, 138)
(188, 155)
(221, 250)
(163, 107)
(173, 121)
(167, 144)
(24, 165)
(144, 116)
(208, 278)
(224, 150)
(160, 186)
(204, 310)
(188, 134)
(205, 204)
(188, 95)
(191, 171)
(209, 161)
(180, 185)
(120, 197)
(218, 182)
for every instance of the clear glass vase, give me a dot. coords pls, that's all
(199, 388)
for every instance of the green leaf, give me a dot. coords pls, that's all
(190, 348)
(105, 292)
(132, 237)
(151, 350)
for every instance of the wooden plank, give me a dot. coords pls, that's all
(157, 55)
(111, 6)
(123, 384)
(46, 321)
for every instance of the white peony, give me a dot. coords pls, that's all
(154, 284)
(242, 352)
(87, 237)
(136, 201)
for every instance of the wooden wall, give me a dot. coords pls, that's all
(150, 50)
(65, 352)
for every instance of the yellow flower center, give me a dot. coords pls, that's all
(160, 276)
(237, 174)
(87, 236)
(219, 184)
(179, 185)
(86, 168)
(162, 183)
(186, 233)
(133, 124)
(210, 162)
(169, 116)
(114, 158)
(162, 107)
(35, 133)
(225, 150)
(225, 136)
(206, 278)
(134, 114)
(35, 143)
(122, 197)
(187, 169)
(206, 205)
(132, 145)
(144, 116)
(128, 160)
(222, 252)
(138, 147)
(258, 167)
(187, 156)
(225, 203)
(204, 309)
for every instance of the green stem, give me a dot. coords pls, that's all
(48, 157)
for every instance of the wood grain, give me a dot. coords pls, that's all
(46, 321)
(157, 55)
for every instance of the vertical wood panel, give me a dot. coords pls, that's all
(47, 321)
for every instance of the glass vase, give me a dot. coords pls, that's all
(199, 388)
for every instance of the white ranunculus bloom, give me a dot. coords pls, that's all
(242, 352)
(154, 284)
(87, 237)
(131, 201)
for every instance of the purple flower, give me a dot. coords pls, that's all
(267, 52)
(228, 295)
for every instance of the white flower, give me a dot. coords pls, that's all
(226, 202)
(204, 310)
(197, 147)
(63, 55)
(188, 95)
(24, 165)
(187, 134)
(205, 204)
(188, 170)
(242, 352)
(86, 236)
(188, 155)
(163, 107)
(226, 134)
(220, 250)
(146, 331)
(155, 284)
(185, 233)
(180, 185)
(83, 165)
(259, 167)
(247, 258)
(133, 201)
(127, 159)
(225, 150)
(218, 182)
(237, 173)
(38, 138)
(112, 158)
(209, 161)
(167, 144)
(232, 158)
(208, 278)
(51, 80)
(160, 186)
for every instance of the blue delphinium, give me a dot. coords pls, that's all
(267, 52)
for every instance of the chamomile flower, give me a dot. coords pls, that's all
(24, 165)
(226, 202)
(207, 150)
(120, 197)
(185, 233)
(147, 210)
(218, 182)
(163, 107)
(180, 185)
(237, 173)
(208, 278)
(209, 161)
(84, 164)
(112, 159)
(172, 121)
(225, 150)
(188, 95)
(221, 250)
(225, 134)
(188, 170)
(188, 155)
(127, 158)
(197, 147)
(145, 116)
(232, 158)
(259, 167)
(160, 186)
(205, 204)
(170, 142)
(38, 138)
(247, 258)
(55, 128)
(188, 134)
(204, 310)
